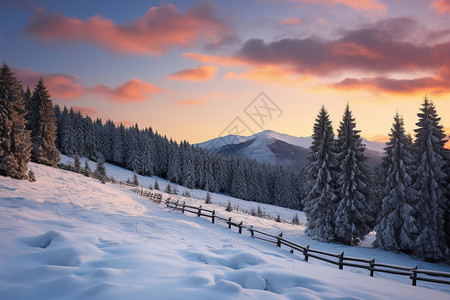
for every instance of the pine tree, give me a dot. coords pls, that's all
(168, 189)
(188, 178)
(321, 201)
(100, 170)
(43, 127)
(31, 176)
(238, 182)
(135, 179)
(430, 183)
(15, 145)
(229, 207)
(77, 164)
(352, 213)
(87, 169)
(208, 198)
(396, 229)
(156, 184)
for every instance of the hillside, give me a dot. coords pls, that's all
(278, 148)
(69, 236)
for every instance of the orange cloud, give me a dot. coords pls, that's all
(134, 90)
(442, 6)
(226, 61)
(60, 86)
(86, 110)
(158, 30)
(269, 74)
(291, 21)
(204, 73)
(192, 102)
(358, 5)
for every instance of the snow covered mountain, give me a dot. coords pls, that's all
(274, 147)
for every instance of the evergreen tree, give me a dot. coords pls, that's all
(67, 139)
(353, 213)
(168, 189)
(156, 184)
(31, 176)
(430, 184)
(43, 127)
(77, 164)
(396, 229)
(238, 183)
(135, 179)
(321, 201)
(15, 145)
(87, 169)
(100, 170)
(208, 198)
(188, 179)
(229, 207)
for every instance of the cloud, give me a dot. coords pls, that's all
(358, 5)
(134, 90)
(377, 52)
(226, 61)
(86, 110)
(290, 21)
(268, 74)
(203, 73)
(60, 86)
(158, 30)
(191, 102)
(442, 6)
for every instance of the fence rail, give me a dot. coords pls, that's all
(340, 260)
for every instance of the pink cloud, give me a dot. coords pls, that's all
(60, 86)
(158, 30)
(192, 102)
(134, 90)
(203, 73)
(86, 110)
(290, 21)
(358, 5)
(442, 6)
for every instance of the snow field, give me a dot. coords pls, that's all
(69, 236)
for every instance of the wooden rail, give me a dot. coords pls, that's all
(340, 260)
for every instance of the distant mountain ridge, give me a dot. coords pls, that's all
(277, 148)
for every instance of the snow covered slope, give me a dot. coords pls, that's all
(273, 147)
(67, 236)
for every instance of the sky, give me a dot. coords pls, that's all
(196, 70)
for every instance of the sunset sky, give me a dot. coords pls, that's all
(194, 70)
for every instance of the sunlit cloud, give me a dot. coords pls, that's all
(203, 73)
(290, 21)
(191, 102)
(358, 5)
(134, 90)
(60, 86)
(269, 74)
(158, 30)
(442, 6)
(226, 61)
(86, 110)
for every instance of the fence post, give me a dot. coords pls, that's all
(213, 216)
(341, 261)
(184, 204)
(305, 252)
(414, 275)
(167, 203)
(199, 211)
(252, 233)
(372, 266)
(229, 223)
(240, 227)
(278, 239)
(176, 205)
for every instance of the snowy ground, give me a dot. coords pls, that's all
(67, 236)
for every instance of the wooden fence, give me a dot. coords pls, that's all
(340, 260)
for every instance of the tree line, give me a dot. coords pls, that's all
(146, 152)
(405, 199)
